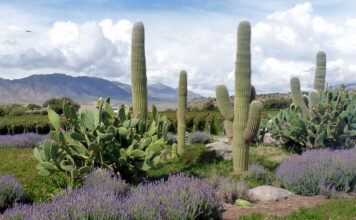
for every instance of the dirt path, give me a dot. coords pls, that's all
(281, 208)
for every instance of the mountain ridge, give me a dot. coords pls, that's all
(38, 88)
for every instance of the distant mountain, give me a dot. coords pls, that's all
(351, 86)
(38, 88)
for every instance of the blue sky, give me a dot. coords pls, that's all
(92, 37)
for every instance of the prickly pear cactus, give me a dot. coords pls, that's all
(182, 109)
(100, 137)
(138, 71)
(245, 118)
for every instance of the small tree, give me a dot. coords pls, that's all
(33, 107)
(56, 104)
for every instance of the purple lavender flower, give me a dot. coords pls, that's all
(258, 172)
(10, 191)
(29, 140)
(318, 171)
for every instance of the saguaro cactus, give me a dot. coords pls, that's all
(138, 71)
(320, 72)
(314, 95)
(182, 108)
(246, 117)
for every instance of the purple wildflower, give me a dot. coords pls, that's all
(10, 191)
(318, 171)
(29, 140)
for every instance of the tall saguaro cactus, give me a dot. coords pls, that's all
(320, 70)
(182, 108)
(314, 94)
(138, 71)
(246, 117)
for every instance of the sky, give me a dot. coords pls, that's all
(93, 38)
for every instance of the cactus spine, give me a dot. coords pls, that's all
(138, 71)
(182, 108)
(245, 118)
(320, 70)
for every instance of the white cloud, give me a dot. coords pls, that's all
(284, 44)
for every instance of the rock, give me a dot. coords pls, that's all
(268, 193)
(267, 138)
(223, 140)
(221, 149)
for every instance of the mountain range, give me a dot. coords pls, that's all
(83, 89)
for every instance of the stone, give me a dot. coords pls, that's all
(268, 193)
(268, 139)
(221, 150)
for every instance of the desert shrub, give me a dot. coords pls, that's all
(56, 104)
(196, 153)
(180, 197)
(332, 123)
(317, 171)
(18, 111)
(199, 137)
(107, 178)
(171, 138)
(208, 106)
(10, 191)
(258, 172)
(276, 103)
(30, 140)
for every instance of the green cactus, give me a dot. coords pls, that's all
(174, 151)
(138, 71)
(182, 109)
(100, 137)
(319, 81)
(298, 98)
(245, 118)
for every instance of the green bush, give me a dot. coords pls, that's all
(196, 153)
(276, 103)
(332, 123)
(56, 104)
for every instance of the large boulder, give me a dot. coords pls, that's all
(268, 139)
(221, 150)
(268, 193)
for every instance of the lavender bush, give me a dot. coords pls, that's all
(108, 179)
(228, 189)
(10, 191)
(199, 137)
(319, 171)
(180, 197)
(29, 140)
(258, 172)
(171, 138)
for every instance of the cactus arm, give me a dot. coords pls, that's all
(181, 113)
(320, 71)
(306, 100)
(297, 97)
(223, 102)
(253, 122)
(138, 71)
(314, 98)
(228, 128)
(242, 97)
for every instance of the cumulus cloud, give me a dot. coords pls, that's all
(284, 44)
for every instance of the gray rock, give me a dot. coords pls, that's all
(223, 140)
(267, 138)
(221, 149)
(268, 193)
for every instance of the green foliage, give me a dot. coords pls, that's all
(332, 123)
(56, 104)
(208, 106)
(270, 104)
(99, 137)
(20, 163)
(25, 123)
(33, 107)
